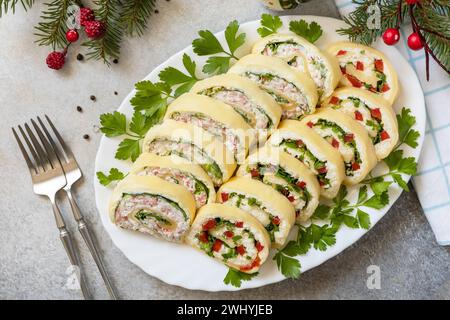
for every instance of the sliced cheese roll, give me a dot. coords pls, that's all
(372, 112)
(270, 208)
(286, 175)
(152, 205)
(216, 117)
(307, 146)
(230, 235)
(194, 144)
(349, 138)
(294, 91)
(303, 56)
(254, 105)
(366, 68)
(177, 170)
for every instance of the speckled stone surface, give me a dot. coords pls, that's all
(32, 261)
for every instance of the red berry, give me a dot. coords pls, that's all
(94, 29)
(239, 224)
(414, 42)
(384, 135)
(412, 1)
(55, 60)
(210, 224)
(391, 36)
(72, 35)
(86, 15)
(358, 116)
(217, 245)
(240, 249)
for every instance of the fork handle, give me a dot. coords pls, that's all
(90, 243)
(66, 240)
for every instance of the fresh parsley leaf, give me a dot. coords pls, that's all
(322, 212)
(269, 24)
(350, 221)
(310, 32)
(114, 175)
(207, 44)
(173, 77)
(217, 65)
(393, 159)
(113, 124)
(363, 219)
(362, 194)
(140, 124)
(235, 277)
(408, 166)
(292, 249)
(399, 180)
(234, 40)
(289, 267)
(150, 97)
(128, 148)
(405, 123)
(323, 236)
(377, 201)
(304, 239)
(341, 195)
(380, 186)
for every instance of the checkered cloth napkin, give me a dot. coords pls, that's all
(432, 182)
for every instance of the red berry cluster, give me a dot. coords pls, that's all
(94, 29)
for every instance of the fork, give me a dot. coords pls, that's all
(73, 174)
(48, 178)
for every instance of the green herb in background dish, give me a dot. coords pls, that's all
(235, 277)
(113, 175)
(310, 32)
(208, 45)
(269, 24)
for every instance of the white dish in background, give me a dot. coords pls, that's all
(184, 266)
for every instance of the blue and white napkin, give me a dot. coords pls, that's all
(432, 182)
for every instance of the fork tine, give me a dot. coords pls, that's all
(66, 149)
(37, 158)
(25, 154)
(60, 156)
(42, 154)
(54, 162)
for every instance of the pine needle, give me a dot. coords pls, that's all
(135, 16)
(10, 5)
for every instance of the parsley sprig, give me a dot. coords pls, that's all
(113, 176)
(208, 45)
(235, 277)
(310, 31)
(269, 24)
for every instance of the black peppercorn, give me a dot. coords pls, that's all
(86, 137)
(115, 92)
(156, 11)
(79, 109)
(116, 61)
(80, 57)
(93, 98)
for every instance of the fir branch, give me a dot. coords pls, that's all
(135, 15)
(357, 20)
(109, 12)
(10, 5)
(51, 31)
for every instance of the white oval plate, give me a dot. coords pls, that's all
(184, 266)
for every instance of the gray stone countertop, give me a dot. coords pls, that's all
(32, 260)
